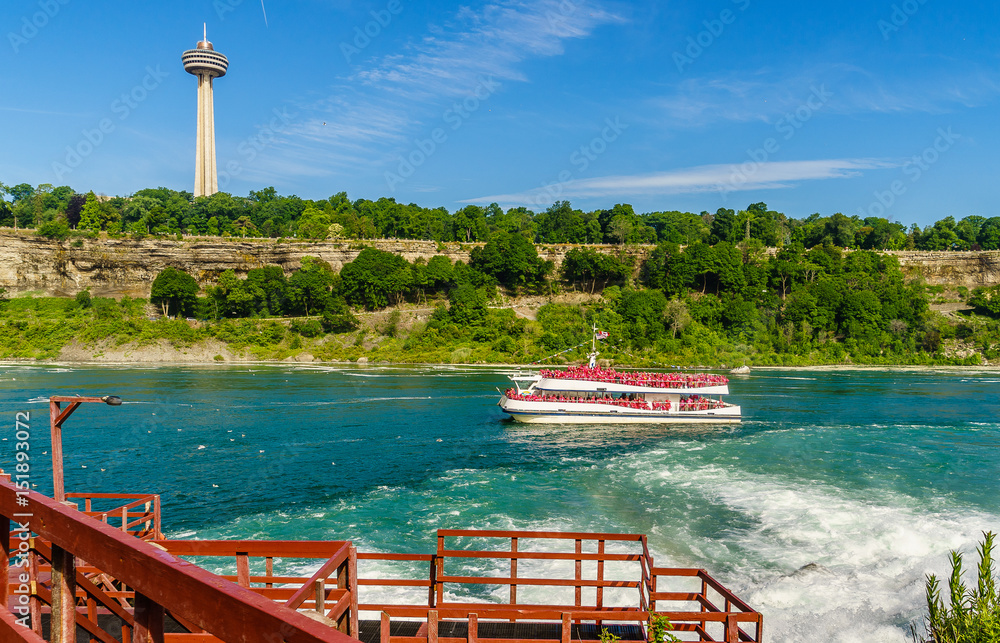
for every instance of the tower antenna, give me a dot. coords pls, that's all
(205, 27)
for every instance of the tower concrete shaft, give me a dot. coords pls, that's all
(207, 64)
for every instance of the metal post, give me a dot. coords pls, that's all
(63, 596)
(58, 490)
(432, 626)
(352, 575)
(473, 628)
(57, 416)
(243, 569)
(384, 629)
(148, 621)
(320, 589)
(4, 559)
(34, 603)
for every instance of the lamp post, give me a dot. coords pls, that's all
(58, 415)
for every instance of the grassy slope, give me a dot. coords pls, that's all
(40, 328)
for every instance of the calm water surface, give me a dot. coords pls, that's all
(873, 475)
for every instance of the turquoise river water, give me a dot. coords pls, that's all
(873, 475)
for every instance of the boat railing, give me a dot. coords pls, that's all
(630, 378)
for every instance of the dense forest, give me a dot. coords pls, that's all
(751, 286)
(56, 211)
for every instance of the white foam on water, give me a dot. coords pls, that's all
(874, 549)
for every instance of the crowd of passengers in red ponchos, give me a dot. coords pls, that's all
(693, 403)
(659, 380)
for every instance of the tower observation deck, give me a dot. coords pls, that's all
(207, 64)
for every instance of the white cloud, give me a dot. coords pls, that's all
(368, 116)
(766, 94)
(705, 178)
(491, 42)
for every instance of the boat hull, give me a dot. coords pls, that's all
(533, 412)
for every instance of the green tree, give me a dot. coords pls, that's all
(988, 236)
(642, 312)
(175, 291)
(986, 301)
(468, 305)
(470, 224)
(269, 289)
(231, 296)
(314, 224)
(510, 259)
(586, 264)
(310, 287)
(376, 278)
(90, 215)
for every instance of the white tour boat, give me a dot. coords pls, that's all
(594, 395)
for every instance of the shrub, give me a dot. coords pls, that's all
(973, 616)
(83, 299)
(307, 327)
(54, 230)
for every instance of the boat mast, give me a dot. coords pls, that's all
(593, 347)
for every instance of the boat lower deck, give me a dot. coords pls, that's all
(572, 417)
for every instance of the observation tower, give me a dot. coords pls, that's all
(207, 64)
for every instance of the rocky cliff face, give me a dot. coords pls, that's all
(116, 267)
(969, 269)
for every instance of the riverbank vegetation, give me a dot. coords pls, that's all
(699, 305)
(750, 286)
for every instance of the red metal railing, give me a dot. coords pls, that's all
(144, 523)
(712, 623)
(693, 611)
(337, 604)
(158, 580)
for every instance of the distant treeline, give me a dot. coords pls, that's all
(59, 212)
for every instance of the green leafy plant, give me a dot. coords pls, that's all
(973, 615)
(658, 626)
(608, 636)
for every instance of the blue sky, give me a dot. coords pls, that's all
(883, 107)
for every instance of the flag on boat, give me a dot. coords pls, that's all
(602, 335)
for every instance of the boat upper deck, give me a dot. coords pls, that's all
(583, 379)
(637, 379)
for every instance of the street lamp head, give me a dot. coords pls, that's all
(112, 400)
